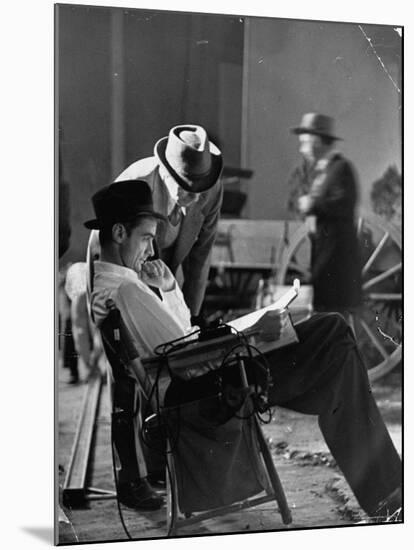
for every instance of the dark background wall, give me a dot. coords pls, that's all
(305, 66)
(174, 74)
(83, 97)
(125, 77)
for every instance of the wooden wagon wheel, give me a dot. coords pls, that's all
(377, 324)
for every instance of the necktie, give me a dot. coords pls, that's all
(175, 215)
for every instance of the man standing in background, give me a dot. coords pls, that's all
(324, 189)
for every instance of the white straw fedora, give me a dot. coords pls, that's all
(192, 160)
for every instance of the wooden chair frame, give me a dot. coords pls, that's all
(273, 490)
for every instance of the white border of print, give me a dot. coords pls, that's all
(27, 270)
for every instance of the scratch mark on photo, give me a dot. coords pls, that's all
(379, 58)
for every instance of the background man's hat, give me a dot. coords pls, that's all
(192, 160)
(319, 125)
(123, 201)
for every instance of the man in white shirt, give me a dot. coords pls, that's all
(323, 374)
(127, 224)
(161, 320)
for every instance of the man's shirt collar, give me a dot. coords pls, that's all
(172, 188)
(115, 269)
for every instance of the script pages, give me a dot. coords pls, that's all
(288, 335)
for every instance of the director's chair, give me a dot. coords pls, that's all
(189, 502)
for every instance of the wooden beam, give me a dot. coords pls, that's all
(74, 487)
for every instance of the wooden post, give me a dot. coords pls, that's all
(117, 93)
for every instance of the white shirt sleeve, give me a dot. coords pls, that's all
(151, 321)
(174, 300)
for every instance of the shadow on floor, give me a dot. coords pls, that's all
(42, 533)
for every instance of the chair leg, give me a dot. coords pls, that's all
(172, 495)
(274, 477)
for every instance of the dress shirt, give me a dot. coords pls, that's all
(150, 320)
(172, 188)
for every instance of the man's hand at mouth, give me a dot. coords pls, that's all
(157, 273)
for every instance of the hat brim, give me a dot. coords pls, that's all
(302, 130)
(194, 184)
(96, 224)
(92, 224)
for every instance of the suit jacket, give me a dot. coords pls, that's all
(335, 264)
(299, 183)
(192, 248)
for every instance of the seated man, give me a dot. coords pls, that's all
(323, 374)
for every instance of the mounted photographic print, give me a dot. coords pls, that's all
(229, 274)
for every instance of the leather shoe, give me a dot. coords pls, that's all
(139, 495)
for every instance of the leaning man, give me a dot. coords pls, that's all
(184, 177)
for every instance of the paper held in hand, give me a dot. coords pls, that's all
(288, 335)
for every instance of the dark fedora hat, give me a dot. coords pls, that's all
(192, 160)
(319, 125)
(123, 201)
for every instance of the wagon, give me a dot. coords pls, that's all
(254, 260)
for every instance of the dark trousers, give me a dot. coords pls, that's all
(324, 375)
(124, 419)
(137, 455)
